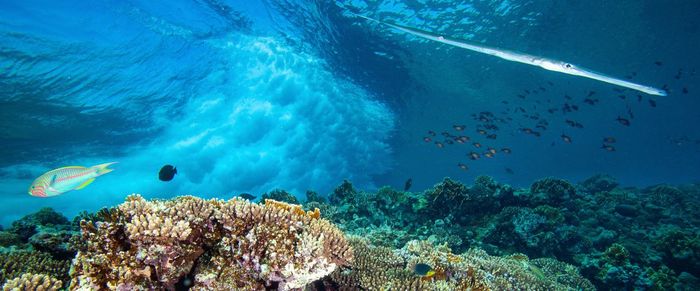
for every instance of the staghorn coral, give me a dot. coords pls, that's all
(32, 282)
(207, 245)
(380, 268)
(14, 264)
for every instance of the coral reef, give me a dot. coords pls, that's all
(344, 192)
(32, 282)
(381, 268)
(599, 183)
(476, 237)
(312, 196)
(620, 238)
(14, 264)
(45, 230)
(8, 238)
(551, 190)
(208, 244)
(280, 195)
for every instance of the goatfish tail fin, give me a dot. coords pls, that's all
(102, 169)
(85, 183)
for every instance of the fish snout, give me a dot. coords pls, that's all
(37, 191)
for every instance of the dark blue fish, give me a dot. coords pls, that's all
(167, 173)
(408, 184)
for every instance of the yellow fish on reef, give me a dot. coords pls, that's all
(61, 180)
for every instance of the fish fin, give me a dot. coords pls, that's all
(102, 169)
(53, 180)
(70, 167)
(84, 184)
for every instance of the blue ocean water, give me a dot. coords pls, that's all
(249, 96)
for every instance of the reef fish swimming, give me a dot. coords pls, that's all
(547, 64)
(167, 173)
(62, 180)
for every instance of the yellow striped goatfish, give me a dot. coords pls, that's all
(61, 180)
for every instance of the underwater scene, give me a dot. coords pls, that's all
(349, 145)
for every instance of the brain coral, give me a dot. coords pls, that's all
(207, 245)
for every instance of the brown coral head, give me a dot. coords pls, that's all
(293, 208)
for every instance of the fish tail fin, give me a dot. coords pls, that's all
(102, 169)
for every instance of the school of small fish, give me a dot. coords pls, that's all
(536, 110)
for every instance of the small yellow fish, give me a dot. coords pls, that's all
(61, 180)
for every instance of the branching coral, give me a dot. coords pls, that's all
(32, 282)
(208, 244)
(379, 268)
(14, 264)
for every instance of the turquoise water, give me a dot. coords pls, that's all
(251, 96)
(247, 97)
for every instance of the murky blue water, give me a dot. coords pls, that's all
(248, 96)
